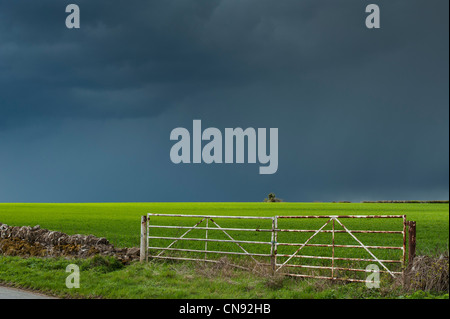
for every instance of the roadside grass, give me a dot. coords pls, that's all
(99, 278)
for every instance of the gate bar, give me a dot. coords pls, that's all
(340, 258)
(340, 246)
(210, 252)
(344, 216)
(212, 228)
(213, 240)
(209, 216)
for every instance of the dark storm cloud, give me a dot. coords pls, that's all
(362, 114)
(153, 54)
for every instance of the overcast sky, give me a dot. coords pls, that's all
(86, 115)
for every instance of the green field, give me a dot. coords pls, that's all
(120, 223)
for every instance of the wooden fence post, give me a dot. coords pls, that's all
(144, 235)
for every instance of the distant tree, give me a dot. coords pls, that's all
(271, 198)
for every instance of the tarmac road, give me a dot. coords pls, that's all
(13, 293)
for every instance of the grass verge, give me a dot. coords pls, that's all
(103, 277)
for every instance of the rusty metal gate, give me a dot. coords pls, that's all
(268, 251)
(336, 222)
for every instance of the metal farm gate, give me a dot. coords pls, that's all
(160, 236)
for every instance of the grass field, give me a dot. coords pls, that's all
(120, 223)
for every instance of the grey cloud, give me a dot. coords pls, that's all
(361, 113)
(181, 47)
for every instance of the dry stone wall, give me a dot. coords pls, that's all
(35, 241)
